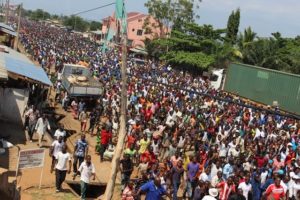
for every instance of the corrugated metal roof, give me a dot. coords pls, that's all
(6, 26)
(7, 29)
(13, 54)
(26, 69)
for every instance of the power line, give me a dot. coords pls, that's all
(106, 5)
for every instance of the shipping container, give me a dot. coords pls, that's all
(264, 86)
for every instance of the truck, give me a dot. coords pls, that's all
(216, 78)
(78, 81)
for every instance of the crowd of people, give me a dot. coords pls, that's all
(191, 137)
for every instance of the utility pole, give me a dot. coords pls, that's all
(18, 28)
(7, 11)
(122, 131)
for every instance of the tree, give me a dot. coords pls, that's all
(95, 25)
(247, 38)
(76, 22)
(194, 47)
(170, 13)
(38, 14)
(233, 27)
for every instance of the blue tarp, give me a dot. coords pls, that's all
(26, 69)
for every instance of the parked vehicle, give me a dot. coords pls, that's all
(78, 81)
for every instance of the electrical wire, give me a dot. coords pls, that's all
(92, 9)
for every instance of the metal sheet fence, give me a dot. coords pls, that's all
(264, 86)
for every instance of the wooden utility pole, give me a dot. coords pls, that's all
(7, 12)
(18, 28)
(122, 131)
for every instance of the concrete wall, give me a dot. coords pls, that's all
(12, 104)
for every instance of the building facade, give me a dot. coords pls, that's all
(139, 27)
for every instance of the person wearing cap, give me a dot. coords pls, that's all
(294, 186)
(212, 194)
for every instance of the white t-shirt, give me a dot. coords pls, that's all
(62, 159)
(208, 197)
(59, 133)
(86, 172)
(246, 188)
(57, 147)
(203, 176)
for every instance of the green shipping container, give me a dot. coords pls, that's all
(264, 86)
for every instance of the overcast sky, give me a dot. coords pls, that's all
(264, 16)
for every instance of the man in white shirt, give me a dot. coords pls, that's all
(63, 158)
(259, 133)
(41, 127)
(204, 176)
(294, 188)
(55, 148)
(245, 186)
(216, 179)
(60, 132)
(86, 170)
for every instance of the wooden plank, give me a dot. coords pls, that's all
(74, 182)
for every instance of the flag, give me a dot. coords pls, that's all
(121, 15)
(109, 37)
(119, 9)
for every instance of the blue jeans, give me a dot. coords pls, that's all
(190, 187)
(125, 178)
(175, 190)
(83, 188)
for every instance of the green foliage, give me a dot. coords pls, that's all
(187, 60)
(76, 22)
(195, 46)
(247, 38)
(36, 15)
(275, 53)
(233, 26)
(171, 13)
(95, 25)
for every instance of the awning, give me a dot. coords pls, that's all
(26, 69)
(139, 51)
(97, 32)
(7, 29)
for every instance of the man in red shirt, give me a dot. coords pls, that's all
(148, 114)
(261, 160)
(275, 191)
(148, 156)
(105, 137)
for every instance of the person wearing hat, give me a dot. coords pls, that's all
(212, 194)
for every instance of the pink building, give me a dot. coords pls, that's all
(136, 31)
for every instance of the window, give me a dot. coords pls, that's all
(139, 32)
